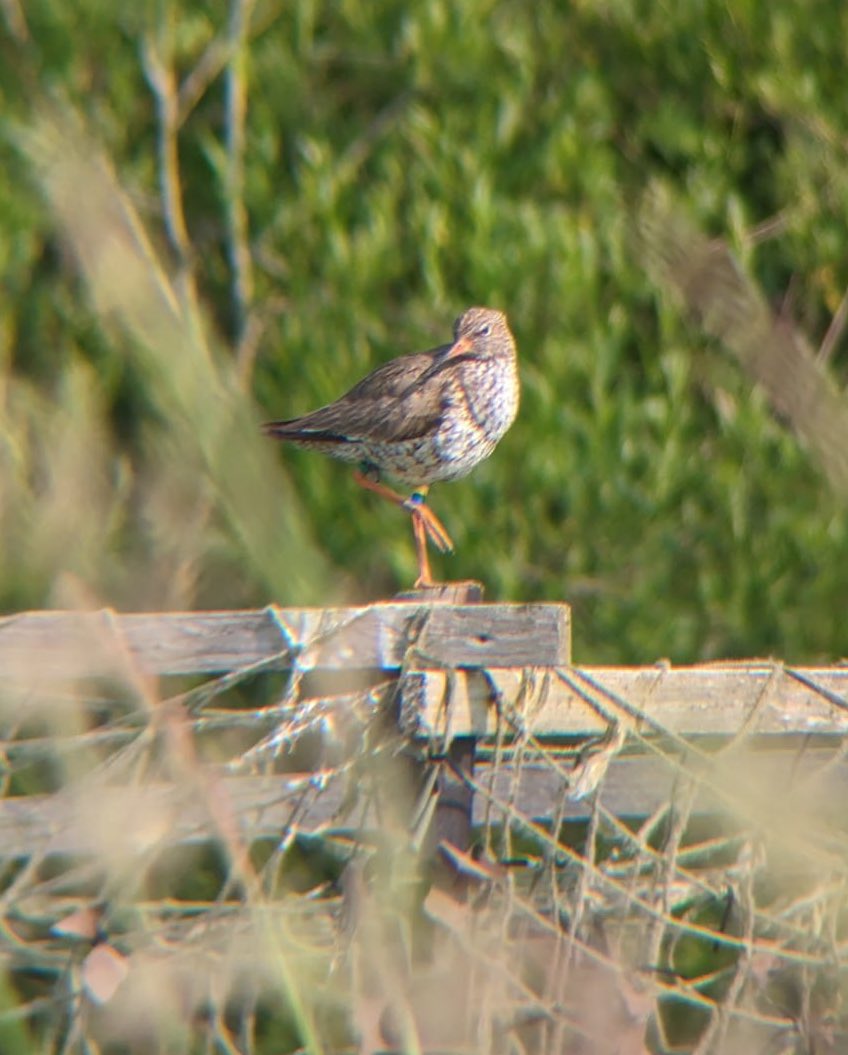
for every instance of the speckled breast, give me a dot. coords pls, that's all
(479, 409)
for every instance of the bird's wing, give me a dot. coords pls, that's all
(400, 400)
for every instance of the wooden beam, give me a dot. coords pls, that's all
(88, 644)
(710, 699)
(117, 821)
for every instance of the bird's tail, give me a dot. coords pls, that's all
(281, 429)
(296, 432)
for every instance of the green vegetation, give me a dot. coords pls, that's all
(399, 162)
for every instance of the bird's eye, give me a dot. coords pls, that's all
(484, 330)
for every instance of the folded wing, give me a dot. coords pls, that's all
(372, 409)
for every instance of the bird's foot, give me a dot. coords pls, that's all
(435, 529)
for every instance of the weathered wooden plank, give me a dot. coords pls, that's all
(120, 821)
(723, 699)
(742, 783)
(74, 644)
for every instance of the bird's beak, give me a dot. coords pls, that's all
(459, 347)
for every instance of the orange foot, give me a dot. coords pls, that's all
(436, 530)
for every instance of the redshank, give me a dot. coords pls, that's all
(421, 418)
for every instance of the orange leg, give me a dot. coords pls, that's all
(435, 529)
(419, 530)
(425, 523)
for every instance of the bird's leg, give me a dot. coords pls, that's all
(425, 523)
(425, 577)
(416, 505)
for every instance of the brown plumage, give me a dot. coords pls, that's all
(421, 418)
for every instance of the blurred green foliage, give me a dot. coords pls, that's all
(401, 162)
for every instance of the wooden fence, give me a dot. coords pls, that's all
(468, 675)
(402, 734)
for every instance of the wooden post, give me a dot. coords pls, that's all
(468, 591)
(453, 817)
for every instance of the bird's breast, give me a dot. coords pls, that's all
(479, 407)
(489, 393)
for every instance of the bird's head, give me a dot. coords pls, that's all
(482, 333)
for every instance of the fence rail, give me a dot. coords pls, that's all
(61, 644)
